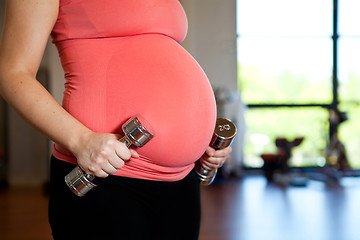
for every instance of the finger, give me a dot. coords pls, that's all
(116, 162)
(228, 150)
(209, 166)
(134, 153)
(216, 161)
(122, 151)
(109, 168)
(222, 153)
(101, 174)
(101, 166)
(210, 151)
(209, 163)
(98, 172)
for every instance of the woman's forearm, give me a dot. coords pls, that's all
(26, 31)
(34, 103)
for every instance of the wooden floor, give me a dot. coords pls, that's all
(242, 209)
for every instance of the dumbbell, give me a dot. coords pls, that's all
(224, 133)
(135, 134)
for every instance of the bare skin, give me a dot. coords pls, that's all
(28, 25)
(215, 158)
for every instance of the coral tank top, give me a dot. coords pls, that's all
(123, 58)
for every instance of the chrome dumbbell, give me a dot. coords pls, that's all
(135, 134)
(224, 133)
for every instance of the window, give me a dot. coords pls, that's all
(285, 51)
(293, 68)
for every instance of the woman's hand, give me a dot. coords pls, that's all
(213, 159)
(101, 154)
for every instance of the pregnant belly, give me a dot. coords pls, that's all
(150, 75)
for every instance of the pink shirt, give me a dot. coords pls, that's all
(122, 58)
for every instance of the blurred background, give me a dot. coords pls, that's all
(287, 73)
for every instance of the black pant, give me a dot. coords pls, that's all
(124, 208)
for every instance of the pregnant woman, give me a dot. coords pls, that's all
(121, 58)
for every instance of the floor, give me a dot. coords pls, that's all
(238, 209)
(252, 209)
(23, 214)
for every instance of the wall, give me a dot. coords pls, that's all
(211, 40)
(212, 37)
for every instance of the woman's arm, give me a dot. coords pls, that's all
(27, 28)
